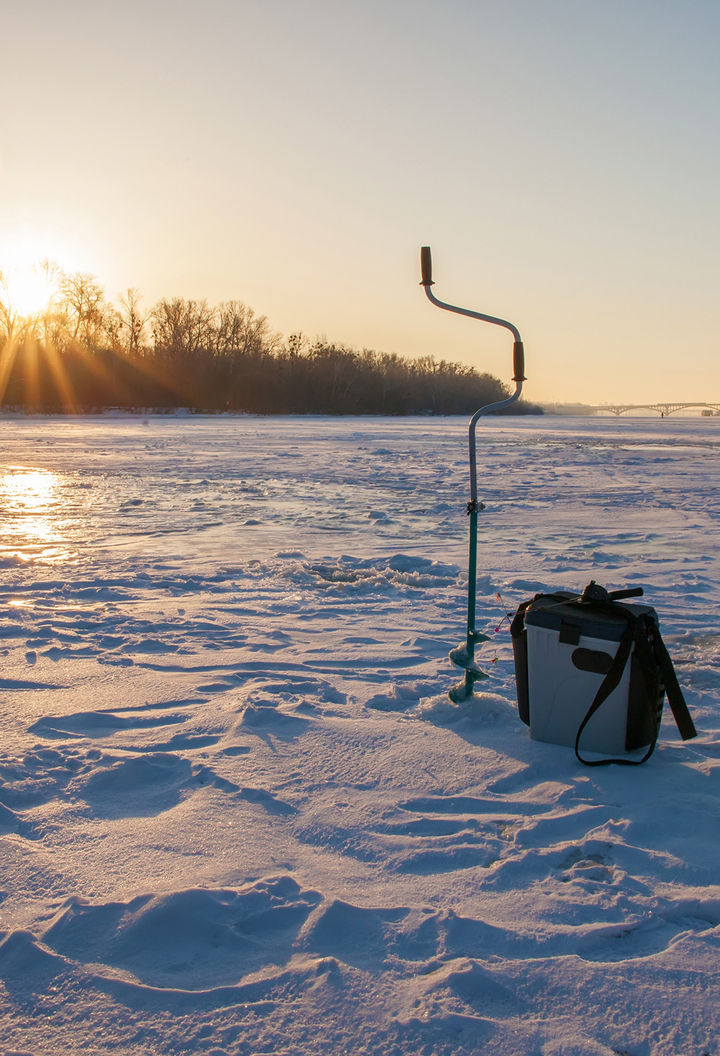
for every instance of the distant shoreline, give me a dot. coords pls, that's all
(189, 412)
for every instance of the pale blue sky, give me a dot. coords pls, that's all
(560, 156)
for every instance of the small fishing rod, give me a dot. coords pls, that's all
(464, 655)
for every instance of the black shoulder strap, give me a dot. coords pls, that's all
(645, 633)
(609, 683)
(676, 700)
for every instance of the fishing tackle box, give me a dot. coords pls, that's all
(592, 670)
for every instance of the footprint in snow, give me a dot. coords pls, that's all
(145, 785)
(40, 776)
(94, 724)
(190, 940)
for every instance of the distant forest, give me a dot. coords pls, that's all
(82, 353)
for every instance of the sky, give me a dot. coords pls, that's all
(561, 157)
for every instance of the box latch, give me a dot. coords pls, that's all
(569, 633)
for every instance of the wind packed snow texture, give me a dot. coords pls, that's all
(238, 813)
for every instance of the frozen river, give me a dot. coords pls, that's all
(238, 813)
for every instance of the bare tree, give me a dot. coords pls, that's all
(132, 322)
(182, 329)
(239, 332)
(87, 309)
(8, 316)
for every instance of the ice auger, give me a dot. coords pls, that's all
(464, 655)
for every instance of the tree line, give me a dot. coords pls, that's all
(82, 353)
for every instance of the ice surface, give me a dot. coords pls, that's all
(239, 814)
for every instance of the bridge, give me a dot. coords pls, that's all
(663, 409)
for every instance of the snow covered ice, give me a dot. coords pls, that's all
(238, 813)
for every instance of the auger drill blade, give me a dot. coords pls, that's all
(464, 690)
(461, 655)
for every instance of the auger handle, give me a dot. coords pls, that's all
(518, 361)
(427, 282)
(426, 266)
(628, 592)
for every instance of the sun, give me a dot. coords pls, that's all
(28, 290)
